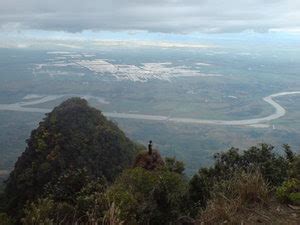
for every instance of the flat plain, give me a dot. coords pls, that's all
(165, 84)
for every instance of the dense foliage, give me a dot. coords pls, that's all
(145, 197)
(73, 136)
(273, 166)
(80, 168)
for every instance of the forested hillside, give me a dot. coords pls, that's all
(80, 168)
(73, 139)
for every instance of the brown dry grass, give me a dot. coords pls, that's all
(246, 199)
(235, 197)
(112, 216)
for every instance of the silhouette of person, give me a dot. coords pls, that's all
(150, 147)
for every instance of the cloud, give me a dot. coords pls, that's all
(161, 44)
(166, 16)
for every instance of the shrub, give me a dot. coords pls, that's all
(199, 193)
(294, 171)
(39, 212)
(149, 197)
(112, 216)
(92, 199)
(67, 185)
(173, 165)
(295, 198)
(273, 167)
(80, 203)
(249, 188)
(289, 191)
(5, 220)
(234, 195)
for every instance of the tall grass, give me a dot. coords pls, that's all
(233, 197)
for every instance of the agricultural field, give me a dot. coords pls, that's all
(192, 102)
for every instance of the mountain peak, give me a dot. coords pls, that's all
(72, 136)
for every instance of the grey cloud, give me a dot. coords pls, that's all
(178, 16)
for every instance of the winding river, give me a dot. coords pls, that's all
(279, 111)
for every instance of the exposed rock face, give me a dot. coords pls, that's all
(148, 161)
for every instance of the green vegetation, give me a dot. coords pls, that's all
(273, 167)
(73, 136)
(79, 168)
(231, 197)
(194, 97)
(149, 197)
(289, 191)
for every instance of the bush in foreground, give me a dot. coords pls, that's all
(233, 196)
(149, 197)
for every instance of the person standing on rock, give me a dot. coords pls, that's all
(150, 148)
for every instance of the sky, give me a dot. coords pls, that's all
(147, 20)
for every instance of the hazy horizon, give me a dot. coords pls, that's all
(197, 77)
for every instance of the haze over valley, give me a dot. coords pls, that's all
(162, 112)
(191, 101)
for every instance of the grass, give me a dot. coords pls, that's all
(235, 197)
(246, 199)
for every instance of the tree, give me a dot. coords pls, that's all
(149, 197)
(199, 193)
(73, 136)
(173, 165)
(289, 154)
(273, 167)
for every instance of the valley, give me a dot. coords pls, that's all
(192, 102)
(279, 111)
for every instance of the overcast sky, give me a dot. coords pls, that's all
(167, 16)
